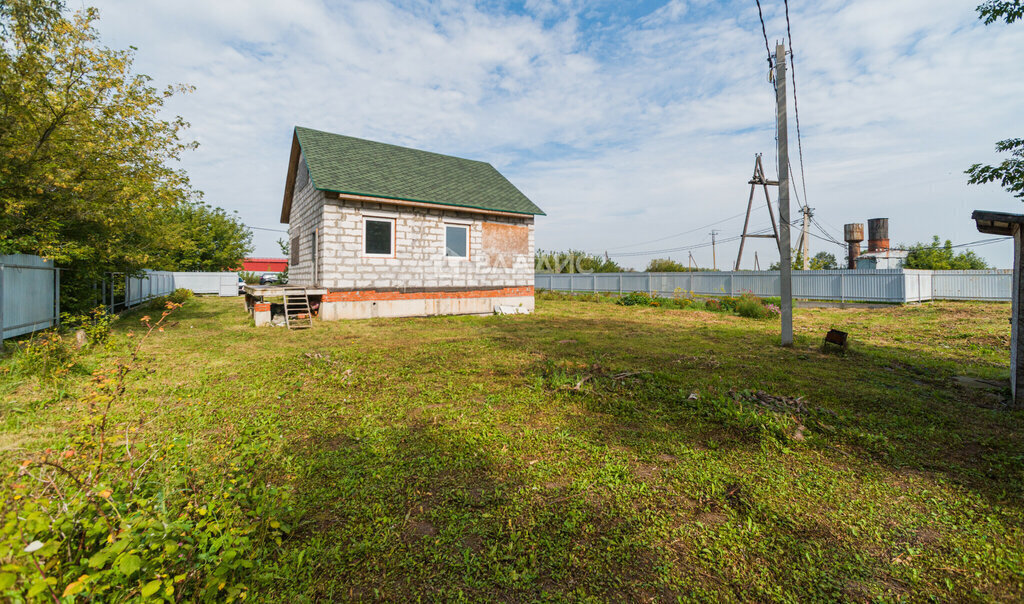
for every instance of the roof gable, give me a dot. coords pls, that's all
(355, 166)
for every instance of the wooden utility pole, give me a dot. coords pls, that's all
(714, 262)
(785, 264)
(757, 265)
(691, 262)
(758, 179)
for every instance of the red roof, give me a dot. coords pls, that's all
(265, 265)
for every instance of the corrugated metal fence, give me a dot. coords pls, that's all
(30, 291)
(222, 284)
(28, 294)
(891, 285)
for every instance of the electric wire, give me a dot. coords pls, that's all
(764, 32)
(678, 233)
(796, 104)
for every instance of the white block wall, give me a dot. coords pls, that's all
(306, 216)
(419, 260)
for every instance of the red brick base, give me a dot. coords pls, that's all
(368, 295)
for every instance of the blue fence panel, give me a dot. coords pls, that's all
(28, 294)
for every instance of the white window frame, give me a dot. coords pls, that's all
(466, 226)
(394, 243)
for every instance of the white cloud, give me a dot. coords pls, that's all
(621, 128)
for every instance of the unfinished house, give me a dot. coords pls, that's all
(380, 230)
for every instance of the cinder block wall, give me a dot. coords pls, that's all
(306, 216)
(419, 250)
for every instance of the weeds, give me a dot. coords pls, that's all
(110, 516)
(95, 324)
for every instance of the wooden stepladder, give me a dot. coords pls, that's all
(297, 314)
(758, 179)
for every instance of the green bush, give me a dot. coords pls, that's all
(180, 295)
(728, 303)
(750, 306)
(635, 299)
(96, 324)
(250, 278)
(713, 305)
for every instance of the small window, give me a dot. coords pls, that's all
(294, 251)
(456, 241)
(378, 234)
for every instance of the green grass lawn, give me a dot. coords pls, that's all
(594, 452)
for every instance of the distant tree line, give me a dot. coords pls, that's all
(86, 174)
(938, 256)
(574, 261)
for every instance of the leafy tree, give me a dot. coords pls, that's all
(574, 261)
(669, 265)
(938, 256)
(85, 176)
(797, 260)
(208, 239)
(823, 261)
(994, 10)
(286, 251)
(1009, 173)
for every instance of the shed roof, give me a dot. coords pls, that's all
(355, 166)
(997, 223)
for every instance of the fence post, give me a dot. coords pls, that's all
(56, 294)
(620, 284)
(649, 283)
(842, 287)
(730, 284)
(1, 302)
(572, 282)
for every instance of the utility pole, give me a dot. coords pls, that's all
(691, 262)
(758, 179)
(805, 237)
(757, 265)
(785, 264)
(714, 262)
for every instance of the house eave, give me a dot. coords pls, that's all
(289, 181)
(417, 203)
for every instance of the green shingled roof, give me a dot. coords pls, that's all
(344, 164)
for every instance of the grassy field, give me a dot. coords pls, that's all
(594, 452)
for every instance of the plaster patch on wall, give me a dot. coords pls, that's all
(500, 241)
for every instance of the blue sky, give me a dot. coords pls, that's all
(625, 121)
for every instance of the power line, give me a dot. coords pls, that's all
(700, 228)
(687, 247)
(796, 106)
(764, 32)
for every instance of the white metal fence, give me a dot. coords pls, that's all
(30, 291)
(891, 285)
(28, 294)
(222, 284)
